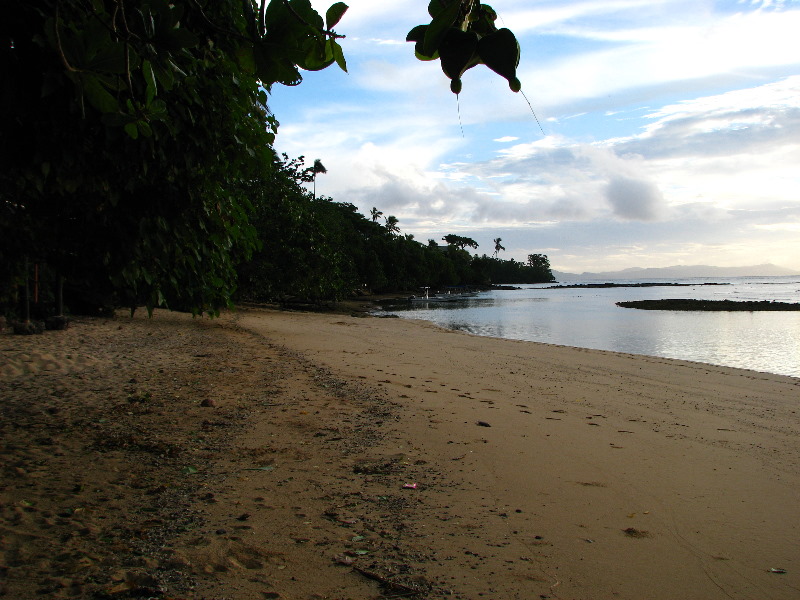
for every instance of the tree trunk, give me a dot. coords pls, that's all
(26, 297)
(59, 295)
(27, 327)
(58, 321)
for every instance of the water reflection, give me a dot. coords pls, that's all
(589, 318)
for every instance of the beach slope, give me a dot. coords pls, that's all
(286, 455)
(600, 475)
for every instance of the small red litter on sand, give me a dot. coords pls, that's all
(410, 486)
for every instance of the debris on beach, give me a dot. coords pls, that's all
(389, 581)
(636, 533)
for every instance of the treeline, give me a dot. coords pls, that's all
(303, 248)
(142, 170)
(316, 249)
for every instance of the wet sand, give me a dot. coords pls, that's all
(367, 457)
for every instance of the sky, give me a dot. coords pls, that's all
(670, 132)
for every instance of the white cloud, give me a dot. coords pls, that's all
(549, 15)
(614, 182)
(737, 45)
(634, 199)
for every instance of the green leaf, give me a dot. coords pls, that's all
(245, 58)
(132, 130)
(144, 128)
(334, 14)
(157, 111)
(275, 14)
(500, 52)
(306, 12)
(150, 80)
(318, 57)
(458, 52)
(148, 22)
(97, 95)
(439, 27)
(272, 69)
(104, 55)
(175, 67)
(417, 34)
(436, 7)
(165, 77)
(338, 55)
(422, 56)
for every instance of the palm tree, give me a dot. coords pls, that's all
(497, 246)
(391, 224)
(375, 214)
(318, 168)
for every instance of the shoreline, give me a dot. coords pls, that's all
(741, 358)
(698, 363)
(341, 456)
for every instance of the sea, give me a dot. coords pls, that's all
(589, 318)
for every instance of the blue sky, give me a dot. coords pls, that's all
(671, 132)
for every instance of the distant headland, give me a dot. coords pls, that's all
(682, 272)
(620, 285)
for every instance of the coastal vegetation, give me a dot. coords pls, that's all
(316, 249)
(142, 170)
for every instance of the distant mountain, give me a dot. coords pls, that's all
(682, 272)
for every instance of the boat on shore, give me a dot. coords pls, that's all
(451, 295)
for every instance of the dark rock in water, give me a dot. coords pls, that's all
(710, 305)
(642, 284)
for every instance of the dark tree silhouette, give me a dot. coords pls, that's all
(497, 246)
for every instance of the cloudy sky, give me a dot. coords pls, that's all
(671, 132)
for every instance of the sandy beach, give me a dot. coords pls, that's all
(271, 454)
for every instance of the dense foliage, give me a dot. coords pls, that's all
(511, 271)
(131, 132)
(460, 242)
(137, 163)
(316, 249)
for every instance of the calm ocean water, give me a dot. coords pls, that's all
(589, 318)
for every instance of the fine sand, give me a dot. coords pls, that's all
(269, 454)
